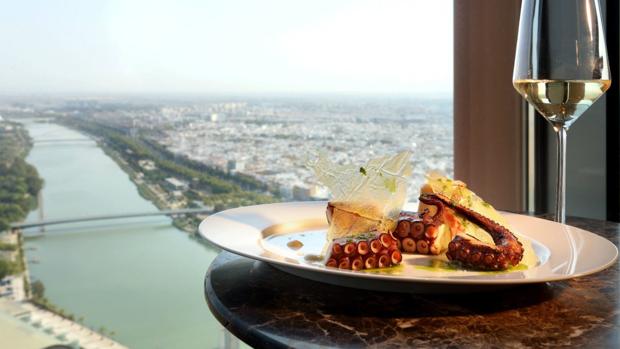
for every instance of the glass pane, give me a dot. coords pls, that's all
(136, 107)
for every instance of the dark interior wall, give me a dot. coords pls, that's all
(489, 124)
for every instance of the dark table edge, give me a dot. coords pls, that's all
(237, 328)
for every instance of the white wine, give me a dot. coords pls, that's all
(561, 101)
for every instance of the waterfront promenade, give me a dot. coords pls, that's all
(26, 318)
(31, 326)
(12, 286)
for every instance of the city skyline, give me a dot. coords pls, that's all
(238, 47)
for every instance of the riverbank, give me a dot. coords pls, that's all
(170, 181)
(19, 185)
(19, 181)
(156, 194)
(28, 319)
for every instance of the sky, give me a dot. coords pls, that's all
(232, 46)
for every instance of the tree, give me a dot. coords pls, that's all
(7, 268)
(11, 212)
(38, 289)
(4, 225)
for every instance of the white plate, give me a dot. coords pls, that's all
(262, 233)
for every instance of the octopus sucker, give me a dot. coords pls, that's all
(422, 246)
(332, 262)
(362, 248)
(402, 230)
(357, 264)
(370, 262)
(344, 263)
(417, 229)
(408, 245)
(475, 257)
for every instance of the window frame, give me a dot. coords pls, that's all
(612, 17)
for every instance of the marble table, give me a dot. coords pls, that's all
(267, 308)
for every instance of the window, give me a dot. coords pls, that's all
(134, 107)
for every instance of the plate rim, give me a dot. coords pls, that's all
(397, 278)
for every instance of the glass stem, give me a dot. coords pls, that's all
(560, 202)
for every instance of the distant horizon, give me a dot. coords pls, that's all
(196, 95)
(191, 47)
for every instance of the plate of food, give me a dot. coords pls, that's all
(366, 236)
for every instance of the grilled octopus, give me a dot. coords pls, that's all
(419, 233)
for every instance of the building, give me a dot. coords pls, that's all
(175, 184)
(147, 165)
(234, 166)
(301, 193)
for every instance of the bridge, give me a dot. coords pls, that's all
(62, 140)
(46, 222)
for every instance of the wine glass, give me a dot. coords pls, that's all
(561, 67)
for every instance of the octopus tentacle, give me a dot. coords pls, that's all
(418, 232)
(381, 251)
(474, 253)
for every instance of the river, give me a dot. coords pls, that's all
(141, 277)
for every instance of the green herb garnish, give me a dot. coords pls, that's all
(390, 184)
(363, 171)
